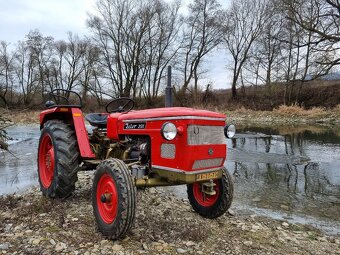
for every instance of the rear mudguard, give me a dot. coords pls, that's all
(75, 117)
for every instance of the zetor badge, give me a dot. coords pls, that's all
(129, 149)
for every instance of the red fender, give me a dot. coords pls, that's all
(79, 126)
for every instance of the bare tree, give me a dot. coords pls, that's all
(118, 30)
(243, 25)
(202, 34)
(6, 71)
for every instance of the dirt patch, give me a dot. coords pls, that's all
(165, 224)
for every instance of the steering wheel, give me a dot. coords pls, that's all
(123, 104)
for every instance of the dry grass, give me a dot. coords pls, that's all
(299, 111)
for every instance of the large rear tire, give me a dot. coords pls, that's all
(212, 206)
(113, 198)
(58, 159)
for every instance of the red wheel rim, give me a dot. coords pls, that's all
(108, 209)
(205, 199)
(46, 161)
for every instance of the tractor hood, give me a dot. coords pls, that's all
(170, 112)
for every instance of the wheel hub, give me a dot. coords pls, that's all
(208, 188)
(107, 198)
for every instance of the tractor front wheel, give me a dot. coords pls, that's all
(113, 198)
(212, 206)
(58, 159)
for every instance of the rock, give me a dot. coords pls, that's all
(4, 246)
(285, 207)
(18, 228)
(231, 212)
(152, 190)
(255, 227)
(190, 243)
(145, 247)
(180, 250)
(117, 247)
(248, 243)
(8, 227)
(104, 242)
(159, 247)
(256, 199)
(52, 242)
(36, 241)
(285, 224)
(60, 247)
(74, 219)
(322, 239)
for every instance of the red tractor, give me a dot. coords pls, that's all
(129, 149)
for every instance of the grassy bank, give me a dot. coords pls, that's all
(285, 115)
(281, 115)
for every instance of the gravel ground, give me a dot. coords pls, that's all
(165, 224)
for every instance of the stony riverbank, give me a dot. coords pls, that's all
(165, 224)
(287, 115)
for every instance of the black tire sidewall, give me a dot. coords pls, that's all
(126, 204)
(205, 209)
(66, 159)
(223, 202)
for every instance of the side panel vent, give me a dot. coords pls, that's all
(207, 163)
(168, 151)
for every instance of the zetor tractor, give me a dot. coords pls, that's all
(129, 149)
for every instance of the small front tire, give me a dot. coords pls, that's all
(212, 206)
(113, 198)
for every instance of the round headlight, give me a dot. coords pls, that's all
(169, 131)
(229, 131)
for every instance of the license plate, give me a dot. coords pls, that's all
(206, 176)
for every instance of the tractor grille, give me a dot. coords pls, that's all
(205, 135)
(207, 163)
(168, 151)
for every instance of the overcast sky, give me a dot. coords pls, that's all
(56, 17)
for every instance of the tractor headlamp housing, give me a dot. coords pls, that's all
(169, 131)
(229, 131)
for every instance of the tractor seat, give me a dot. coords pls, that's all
(97, 119)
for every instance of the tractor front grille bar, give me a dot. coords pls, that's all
(200, 135)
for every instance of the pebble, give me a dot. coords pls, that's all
(60, 246)
(231, 212)
(152, 190)
(190, 243)
(117, 247)
(104, 242)
(248, 243)
(8, 227)
(180, 250)
(52, 242)
(4, 246)
(285, 224)
(145, 247)
(36, 241)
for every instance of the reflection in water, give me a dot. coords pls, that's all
(294, 173)
(18, 170)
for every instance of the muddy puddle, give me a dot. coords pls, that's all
(288, 173)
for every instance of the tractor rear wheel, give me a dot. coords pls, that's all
(113, 198)
(58, 159)
(212, 206)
